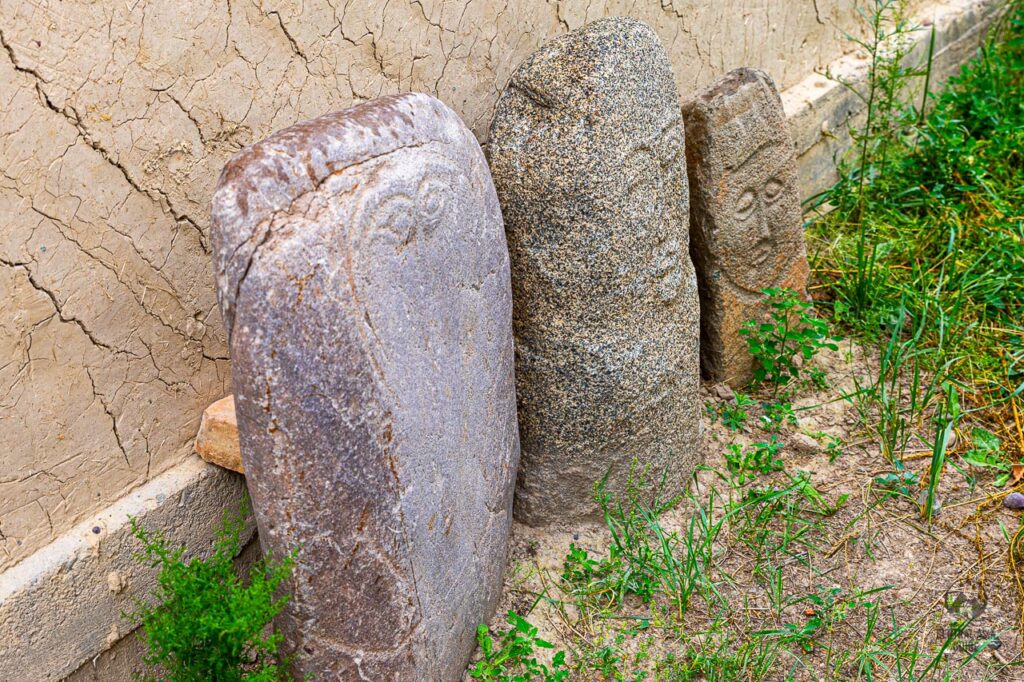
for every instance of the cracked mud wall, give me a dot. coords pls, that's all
(116, 119)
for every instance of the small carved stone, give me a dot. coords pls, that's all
(587, 155)
(746, 228)
(363, 278)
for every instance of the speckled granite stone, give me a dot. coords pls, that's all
(587, 155)
(363, 276)
(746, 227)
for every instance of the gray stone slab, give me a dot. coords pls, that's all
(586, 149)
(363, 278)
(746, 226)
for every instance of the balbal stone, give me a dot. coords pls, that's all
(586, 149)
(746, 229)
(363, 279)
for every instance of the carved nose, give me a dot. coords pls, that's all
(761, 225)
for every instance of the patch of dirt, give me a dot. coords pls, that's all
(946, 605)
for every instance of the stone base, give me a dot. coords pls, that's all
(62, 607)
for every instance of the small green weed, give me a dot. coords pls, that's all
(817, 378)
(899, 483)
(513, 657)
(987, 453)
(834, 448)
(777, 416)
(578, 568)
(826, 609)
(818, 503)
(205, 623)
(746, 463)
(610, 658)
(732, 415)
(791, 332)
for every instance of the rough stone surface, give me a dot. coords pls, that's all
(587, 155)
(114, 129)
(746, 227)
(364, 282)
(217, 441)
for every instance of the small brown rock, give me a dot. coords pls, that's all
(804, 444)
(217, 441)
(723, 392)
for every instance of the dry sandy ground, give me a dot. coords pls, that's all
(935, 575)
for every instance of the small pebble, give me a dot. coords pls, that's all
(723, 392)
(804, 444)
(1014, 501)
(114, 582)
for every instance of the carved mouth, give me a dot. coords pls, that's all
(762, 252)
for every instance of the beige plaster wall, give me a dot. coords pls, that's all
(115, 120)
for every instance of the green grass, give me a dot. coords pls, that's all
(924, 239)
(668, 602)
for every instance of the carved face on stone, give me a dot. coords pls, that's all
(405, 212)
(403, 233)
(758, 207)
(658, 172)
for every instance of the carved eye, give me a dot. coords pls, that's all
(394, 216)
(434, 202)
(773, 189)
(745, 205)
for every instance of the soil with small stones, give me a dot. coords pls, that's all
(932, 577)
